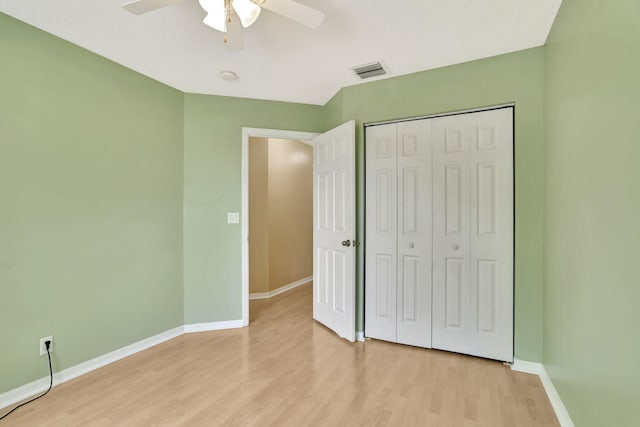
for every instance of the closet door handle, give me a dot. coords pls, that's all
(346, 243)
(411, 245)
(455, 247)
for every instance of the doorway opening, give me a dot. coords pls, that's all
(277, 213)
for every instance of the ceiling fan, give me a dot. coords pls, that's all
(229, 16)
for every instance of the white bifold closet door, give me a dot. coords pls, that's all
(473, 233)
(439, 233)
(398, 233)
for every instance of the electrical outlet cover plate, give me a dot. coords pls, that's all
(43, 347)
(233, 217)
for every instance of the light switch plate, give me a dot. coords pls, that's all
(233, 218)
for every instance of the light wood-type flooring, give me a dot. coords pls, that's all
(288, 370)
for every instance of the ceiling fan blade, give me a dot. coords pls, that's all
(234, 34)
(138, 7)
(293, 10)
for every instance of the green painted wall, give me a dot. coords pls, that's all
(592, 210)
(212, 149)
(516, 77)
(90, 204)
(333, 111)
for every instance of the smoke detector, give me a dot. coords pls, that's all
(229, 76)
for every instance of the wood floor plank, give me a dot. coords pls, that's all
(288, 370)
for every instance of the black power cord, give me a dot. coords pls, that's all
(47, 344)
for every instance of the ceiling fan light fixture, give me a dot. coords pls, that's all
(216, 14)
(216, 22)
(247, 11)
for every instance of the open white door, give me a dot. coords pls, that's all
(334, 221)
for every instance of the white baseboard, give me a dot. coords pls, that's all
(359, 335)
(561, 411)
(527, 367)
(38, 386)
(556, 402)
(212, 326)
(281, 289)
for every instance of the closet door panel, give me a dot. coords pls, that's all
(414, 233)
(473, 234)
(381, 232)
(451, 225)
(491, 237)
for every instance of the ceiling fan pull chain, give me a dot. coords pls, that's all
(227, 5)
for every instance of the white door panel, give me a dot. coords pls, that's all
(451, 225)
(381, 232)
(473, 234)
(333, 224)
(398, 233)
(414, 233)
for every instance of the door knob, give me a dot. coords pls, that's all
(346, 243)
(411, 245)
(455, 247)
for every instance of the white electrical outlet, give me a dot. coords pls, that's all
(43, 346)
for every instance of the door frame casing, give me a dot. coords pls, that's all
(247, 132)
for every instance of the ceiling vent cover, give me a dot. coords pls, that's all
(370, 70)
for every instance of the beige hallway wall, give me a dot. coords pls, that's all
(258, 215)
(290, 212)
(280, 213)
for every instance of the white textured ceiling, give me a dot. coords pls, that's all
(283, 60)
